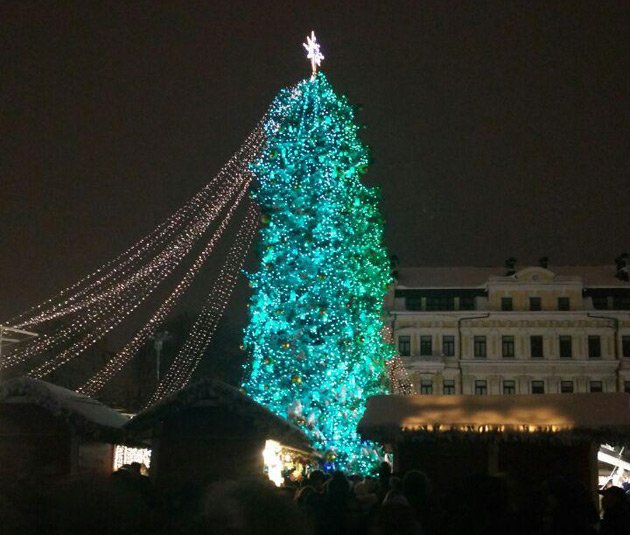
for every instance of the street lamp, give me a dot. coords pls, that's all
(158, 343)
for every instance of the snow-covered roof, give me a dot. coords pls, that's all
(86, 415)
(477, 277)
(219, 394)
(446, 277)
(604, 417)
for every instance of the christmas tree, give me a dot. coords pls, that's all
(315, 332)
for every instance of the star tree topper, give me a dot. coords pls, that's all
(314, 54)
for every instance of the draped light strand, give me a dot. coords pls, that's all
(201, 334)
(399, 380)
(158, 268)
(99, 302)
(119, 299)
(112, 320)
(98, 381)
(122, 264)
(62, 303)
(105, 314)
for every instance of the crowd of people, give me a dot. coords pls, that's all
(481, 504)
(321, 504)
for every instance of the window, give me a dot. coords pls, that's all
(538, 387)
(506, 303)
(507, 346)
(404, 346)
(566, 387)
(481, 388)
(449, 387)
(440, 303)
(426, 346)
(564, 303)
(467, 303)
(566, 347)
(535, 303)
(536, 347)
(480, 347)
(448, 346)
(625, 346)
(413, 303)
(600, 302)
(594, 347)
(626, 387)
(509, 387)
(596, 386)
(621, 302)
(426, 386)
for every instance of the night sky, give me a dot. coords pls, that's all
(498, 128)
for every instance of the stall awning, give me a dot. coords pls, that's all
(598, 417)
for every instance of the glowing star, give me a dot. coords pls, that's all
(314, 54)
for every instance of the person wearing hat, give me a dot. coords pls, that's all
(616, 519)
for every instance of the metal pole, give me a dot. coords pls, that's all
(158, 354)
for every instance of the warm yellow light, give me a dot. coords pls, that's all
(272, 457)
(125, 455)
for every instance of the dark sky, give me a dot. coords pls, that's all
(498, 128)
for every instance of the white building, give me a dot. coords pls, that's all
(468, 330)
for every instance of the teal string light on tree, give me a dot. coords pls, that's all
(315, 344)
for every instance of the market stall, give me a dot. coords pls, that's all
(211, 430)
(47, 430)
(526, 438)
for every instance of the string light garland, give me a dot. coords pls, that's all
(107, 313)
(156, 270)
(316, 350)
(113, 366)
(103, 303)
(200, 336)
(68, 300)
(399, 380)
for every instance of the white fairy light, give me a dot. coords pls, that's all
(313, 52)
(125, 455)
(120, 265)
(112, 297)
(108, 313)
(189, 356)
(399, 380)
(99, 302)
(98, 381)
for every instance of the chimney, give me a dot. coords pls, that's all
(393, 266)
(621, 262)
(510, 266)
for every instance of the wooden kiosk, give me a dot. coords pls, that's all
(209, 431)
(527, 438)
(50, 431)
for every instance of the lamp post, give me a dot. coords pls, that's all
(158, 343)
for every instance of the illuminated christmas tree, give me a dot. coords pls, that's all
(315, 333)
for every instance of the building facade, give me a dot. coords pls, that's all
(535, 330)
